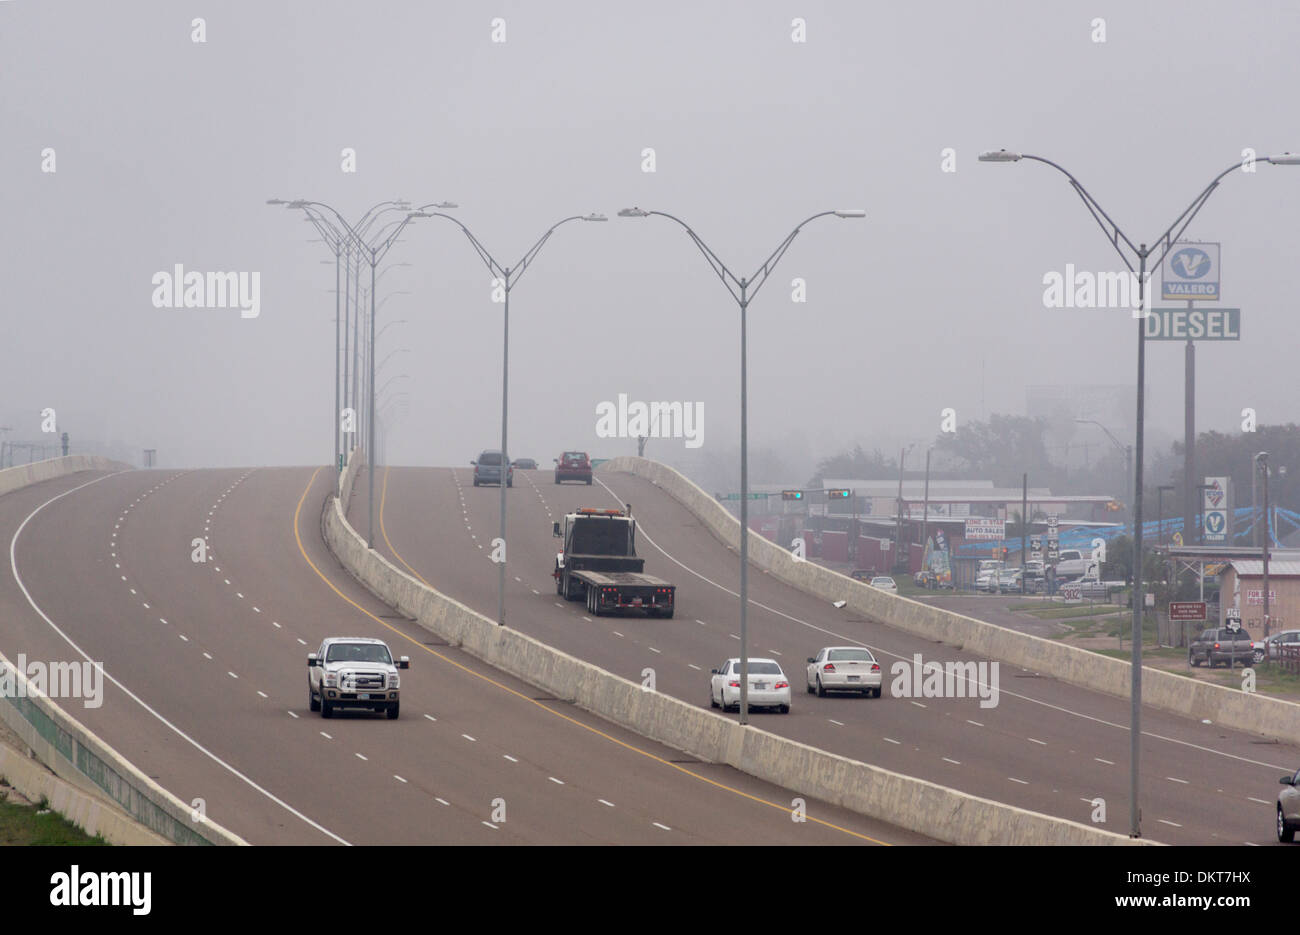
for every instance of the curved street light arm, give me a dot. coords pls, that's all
(1108, 226)
(1166, 241)
(715, 261)
(763, 272)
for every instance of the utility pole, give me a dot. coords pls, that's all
(1262, 457)
(1024, 524)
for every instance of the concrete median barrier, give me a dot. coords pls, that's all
(24, 475)
(914, 804)
(95, 771)
(1167, 691)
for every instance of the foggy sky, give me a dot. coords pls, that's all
(168, 149)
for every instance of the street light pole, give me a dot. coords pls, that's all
(1163, 244)
(743, 289)
(1262, 460)
(508, 276)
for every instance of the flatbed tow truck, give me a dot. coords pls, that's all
(599, 564)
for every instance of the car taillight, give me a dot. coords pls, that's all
(829, 667)
(782, 684)
(1216, 645)
(875, 667)
(733, 684)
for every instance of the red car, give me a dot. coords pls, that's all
(573, 465)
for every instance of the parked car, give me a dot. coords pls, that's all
(885, 583)
(1274, 645)
(768, 686)
(863, 574)
(487, 469)
(844, 668)
(1220, 645)
(573, 465)
(1288, 808)
(524, 464)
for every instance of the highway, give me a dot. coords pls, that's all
(1046, 746)
(207, 684)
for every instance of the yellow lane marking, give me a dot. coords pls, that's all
(521, 696)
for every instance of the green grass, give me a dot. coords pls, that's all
(23, 825)
(1066, 611)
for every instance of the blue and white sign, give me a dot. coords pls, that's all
(1216, 506)
(1191, 271)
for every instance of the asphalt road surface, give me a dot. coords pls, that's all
(1046, 745)
(206, 677)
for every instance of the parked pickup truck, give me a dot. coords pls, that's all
(599, 563)
(354, 672)
(1220, 645)
(1073, 563)
(1091, 587)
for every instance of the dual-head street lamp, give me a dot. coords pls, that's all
(1140, 252)
(372, 251)
(743, 289)
(507, 276)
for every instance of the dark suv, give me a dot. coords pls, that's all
(1221, 645)
(487, 469)
(573, 465)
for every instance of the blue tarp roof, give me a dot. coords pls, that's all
(1284, 523)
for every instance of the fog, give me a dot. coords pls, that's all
(166, 150)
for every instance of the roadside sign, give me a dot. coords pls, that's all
(1036, 555)
(1191, 271)
(1036, 542)
(1051, 521)
(1072, 593)
(1187, 610)
(1193, 324)
(984, 529)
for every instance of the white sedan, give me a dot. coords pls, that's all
(884, 583)
(844, 668)
(768, 686)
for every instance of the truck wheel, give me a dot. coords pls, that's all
(326, 709)
(311, 699)
(667, 614)
(588, 481)
(1193, 661)
(393, 709)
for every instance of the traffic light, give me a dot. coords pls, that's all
(841, 494)
(1005, 551)
(792, 495)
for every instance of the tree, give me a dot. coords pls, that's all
(1003, 449)
(858, 465)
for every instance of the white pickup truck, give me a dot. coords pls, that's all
(354, 672)
(1073, 563)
